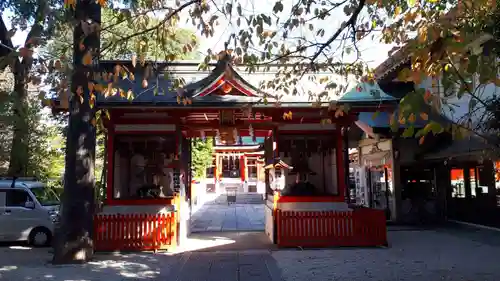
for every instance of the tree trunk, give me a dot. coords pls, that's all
(73, 243)
(19, 156)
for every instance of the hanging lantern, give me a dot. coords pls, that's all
(251, 132)
(235, 134)
(226, 88)
(217, 136)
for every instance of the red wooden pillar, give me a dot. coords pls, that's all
(110, 155)
(339, 158)
(216, 167)
(243, 167)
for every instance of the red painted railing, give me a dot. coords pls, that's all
(360, 227)
(129, 232)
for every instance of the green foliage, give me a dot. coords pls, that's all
(6, 84)
(44, 140)
(157, 46)
(201, 152)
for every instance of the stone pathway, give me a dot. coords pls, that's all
(257, 265)
(234, 217)
(413, 255)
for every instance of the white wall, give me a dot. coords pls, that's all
(465, 107)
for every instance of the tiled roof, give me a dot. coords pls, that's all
(367, 92)
(200, 85)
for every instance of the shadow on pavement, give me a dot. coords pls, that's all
(208, 256)
(229, 241)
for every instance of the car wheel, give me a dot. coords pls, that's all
(40, 237)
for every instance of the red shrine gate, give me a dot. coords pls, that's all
(148, 181)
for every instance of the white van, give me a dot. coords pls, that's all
(28, 211)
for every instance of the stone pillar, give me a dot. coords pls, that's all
(217, 169)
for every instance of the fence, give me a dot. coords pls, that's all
(134, 232)
(360, 227)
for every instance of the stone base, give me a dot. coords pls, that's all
(313, 206)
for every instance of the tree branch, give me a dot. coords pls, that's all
(6, 46)
(350, 22)
(167, 18)
(462, 79)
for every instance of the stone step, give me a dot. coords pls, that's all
(241, 198)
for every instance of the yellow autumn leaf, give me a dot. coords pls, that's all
(87, 59)
(99, 88)
(397, 11)
(266, 33)
(109, 90)
(287, 115)
(421, 140)
(422, 34)
(497, 82)
(412, 118)
(92, 101)
(409, 17)
(134, 60)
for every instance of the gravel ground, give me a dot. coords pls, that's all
(447, 254)
(412, 255)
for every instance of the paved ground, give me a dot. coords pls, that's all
(443, 254)
(223, 217)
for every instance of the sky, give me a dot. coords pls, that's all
(372, 51)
